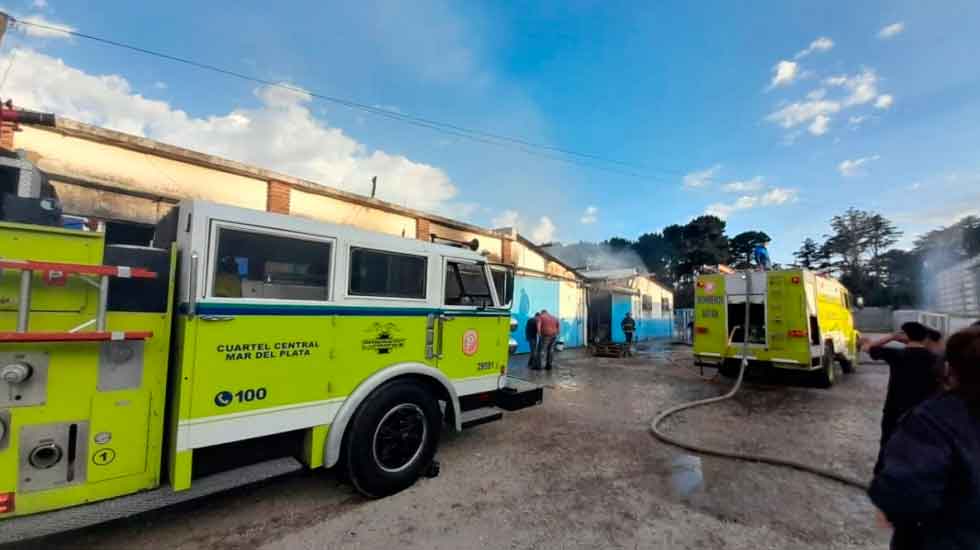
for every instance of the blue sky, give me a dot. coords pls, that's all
(776, 116)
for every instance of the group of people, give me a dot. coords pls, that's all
(927, 476)
(541, 333)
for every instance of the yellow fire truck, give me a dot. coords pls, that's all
(798, 320)
(241, 345)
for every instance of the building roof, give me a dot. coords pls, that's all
(607, 274)
(73, 128)
(140, 144)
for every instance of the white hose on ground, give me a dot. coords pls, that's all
(764, 459)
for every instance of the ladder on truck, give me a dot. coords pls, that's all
(56, 273)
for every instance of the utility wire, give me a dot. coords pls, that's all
(529, 147)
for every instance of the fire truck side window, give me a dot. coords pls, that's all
(466, 285)
(258, 265)
(386, 274)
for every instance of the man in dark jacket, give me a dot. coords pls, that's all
(929, 486)
(531, 335)
(629, 328)
(912, 376)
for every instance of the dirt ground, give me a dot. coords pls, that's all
(581, 471)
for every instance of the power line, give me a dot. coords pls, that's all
(528, 147)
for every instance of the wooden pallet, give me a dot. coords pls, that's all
(609, 349)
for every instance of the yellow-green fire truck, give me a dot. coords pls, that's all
(241, 345)
(797, 320)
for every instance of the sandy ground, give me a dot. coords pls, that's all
(581, 471)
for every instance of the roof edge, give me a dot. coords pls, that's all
(74, 128)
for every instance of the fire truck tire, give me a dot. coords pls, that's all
(846, 365)
(392, 438)
(828, 374)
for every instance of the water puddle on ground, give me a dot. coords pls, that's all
(686, 476)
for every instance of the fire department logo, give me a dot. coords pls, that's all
(709, 287)
(471, 342)
(383, 338)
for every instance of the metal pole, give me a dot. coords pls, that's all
(745, 327)
(24, 306)
(100, 315)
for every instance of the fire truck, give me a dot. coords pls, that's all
(239, 346)
(797, 320)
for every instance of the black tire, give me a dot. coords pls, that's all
(379, 463)
(827, 376)
(846, 365)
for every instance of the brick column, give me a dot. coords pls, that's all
(507, 251)
(7, 130)
(277, 199)
(422, 231)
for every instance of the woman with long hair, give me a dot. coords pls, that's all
(929, 486)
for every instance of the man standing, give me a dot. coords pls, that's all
(547, 332)
(912, 377)
(629, 327)
(531, 335)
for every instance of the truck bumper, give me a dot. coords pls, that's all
(518, 394)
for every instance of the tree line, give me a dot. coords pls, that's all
(676, 254)
(859, 249)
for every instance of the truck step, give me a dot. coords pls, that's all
(49, 523)
(518, 394)
(479, 416)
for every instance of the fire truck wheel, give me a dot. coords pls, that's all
(846, 365)
(827, 375)
(392, 438)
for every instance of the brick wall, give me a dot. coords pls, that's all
(507, 252)
(422, 231)
(278, 197)
(7, 135)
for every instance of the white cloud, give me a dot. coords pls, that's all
(856, 120)
(590, 215)
(884, 101)
(754, 184)
(40, 4)
(701, 178)
(821, 44)
(544, 231)
(817, 110)
(773, 197)
(784, 73)
(862, 87)
(849, 168)
(798, 113)
(541, 232)
(57, 30)
(891, 30)
(819, 93)
(507, 218)
(280, 134)
(160, 85)
(820, 125)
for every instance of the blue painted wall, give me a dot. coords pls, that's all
(571, 332)
(532, 294)
(621, 305)
(653, 328)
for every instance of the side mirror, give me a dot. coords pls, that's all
(859, 302)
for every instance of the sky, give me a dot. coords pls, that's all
(775, 116)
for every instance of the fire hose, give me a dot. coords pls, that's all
(657, 432)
